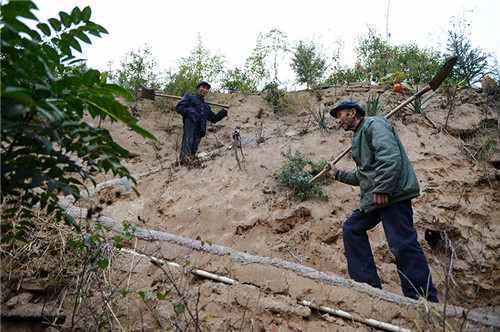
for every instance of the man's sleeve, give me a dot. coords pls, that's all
(348, 177)
(183, 105)
(216, 117)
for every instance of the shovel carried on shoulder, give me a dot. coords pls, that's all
(150, 93)
(433, 85)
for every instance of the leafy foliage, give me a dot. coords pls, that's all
(276, 98)
(293, 175)
(472, 63)
(379, 58)
(137, 69)
(397, 77)
(255, 64)
(46, 147)
(237, 81)
(346, 75)
(308, 64)
(200, 65)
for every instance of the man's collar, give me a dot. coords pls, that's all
(359, 124)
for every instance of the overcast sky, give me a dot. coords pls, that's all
(231, 27)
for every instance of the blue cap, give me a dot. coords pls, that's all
(202, 83)
(348, 105)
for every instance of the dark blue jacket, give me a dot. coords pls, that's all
(196, 110)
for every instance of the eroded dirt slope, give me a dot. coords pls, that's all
(242, 209)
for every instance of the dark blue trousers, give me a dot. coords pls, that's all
(191, 139)
(397, 220)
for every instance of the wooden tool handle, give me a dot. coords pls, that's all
(320, 174)
(177, 97)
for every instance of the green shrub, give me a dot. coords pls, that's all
(293, 175)
(379, 58)
(201, 65)
(277, 98)
(308, 64)
(237, 81)
(345, 75)
(137, 69)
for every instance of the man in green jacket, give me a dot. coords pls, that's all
(387, 183)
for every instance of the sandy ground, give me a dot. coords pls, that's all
(243, 209)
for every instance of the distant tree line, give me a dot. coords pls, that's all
(312, 66)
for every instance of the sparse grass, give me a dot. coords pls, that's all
(373, 104)
(484, 146)
(418, 105)
(320, 115)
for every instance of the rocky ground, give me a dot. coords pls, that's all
(227, 217)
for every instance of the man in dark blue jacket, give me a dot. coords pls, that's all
(388, 183)
(195, 113)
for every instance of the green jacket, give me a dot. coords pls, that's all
(382, 164)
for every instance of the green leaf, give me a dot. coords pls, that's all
(72, 42)
(82, 36)
(20, 94)
(86, 12)
(7, 238)
(126, 184)
(67, 190)
(90, 78)
(50, 53)
(52, 185)
(179, 308)
(18, 26)
(6, 227)
(19, 8)
(118, 90)
(407, 85)
(65, 19)
(145, 295)
(55, 24)
(76, 15)
(103, 264)
(143, 132)
(44, 28)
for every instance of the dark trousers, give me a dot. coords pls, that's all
(191, 139)
(397, 220)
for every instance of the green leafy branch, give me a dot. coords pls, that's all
(46, 147)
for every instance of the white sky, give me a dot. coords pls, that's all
(231, 27)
